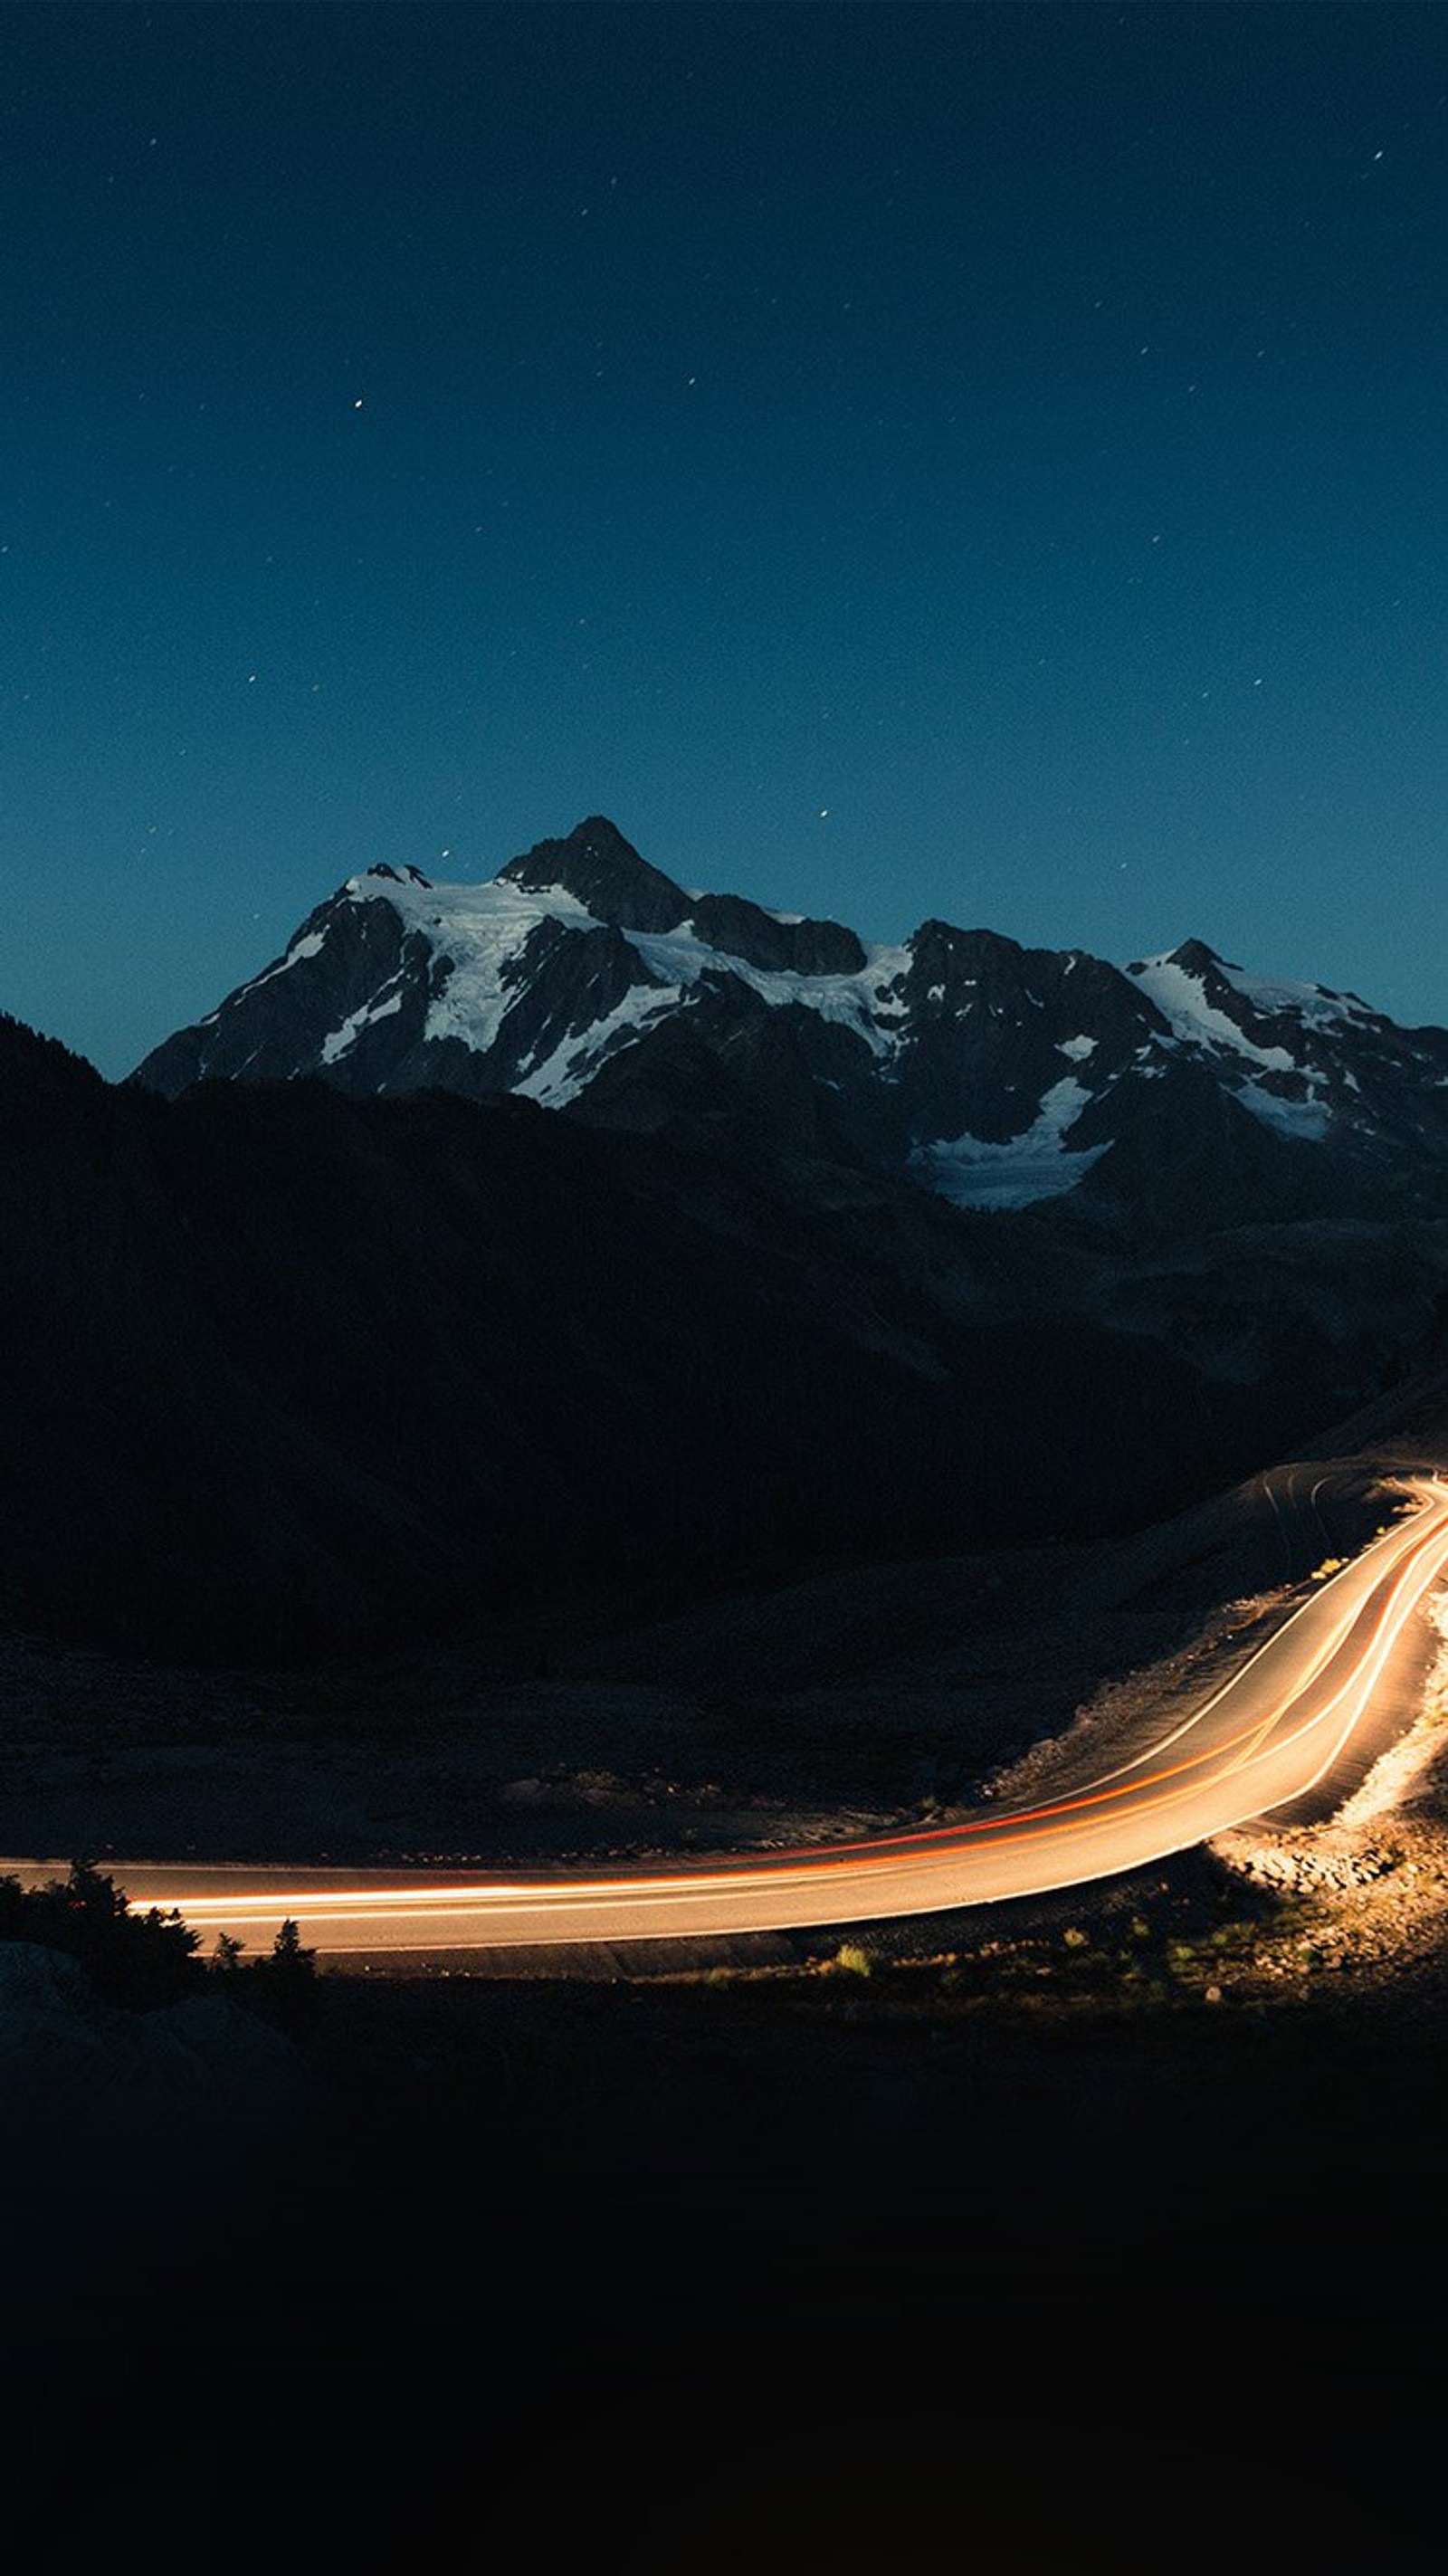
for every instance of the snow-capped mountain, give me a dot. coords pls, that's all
(585, 979)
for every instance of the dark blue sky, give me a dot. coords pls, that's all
(982, 461)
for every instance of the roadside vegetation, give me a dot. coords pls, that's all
(143, 1959)
(1165, 1950)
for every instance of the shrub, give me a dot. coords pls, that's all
(135, 1959)
(854, 1959)
(149, 1958)
(283, 1985)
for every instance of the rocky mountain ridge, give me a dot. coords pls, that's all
(292, 1373)
(584, 978)
(579, 1239)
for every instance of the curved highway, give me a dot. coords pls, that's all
(1262, 1739)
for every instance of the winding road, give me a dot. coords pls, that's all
(1261, 1740)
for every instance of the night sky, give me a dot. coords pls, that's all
(895, 460)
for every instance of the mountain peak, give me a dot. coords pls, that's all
(606, 874)
(991, 1074)
(600, 829)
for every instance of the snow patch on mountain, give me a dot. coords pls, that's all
(1313, 1004)
(1307, 1120)
(481, 930)
(972, 1171)
(338, 1042)
(1182, 1000)
(859, 1001)
(571, 1066)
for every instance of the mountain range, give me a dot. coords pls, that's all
(571, 1248)
(996, 1077)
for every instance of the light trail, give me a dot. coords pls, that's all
(1268, 1735)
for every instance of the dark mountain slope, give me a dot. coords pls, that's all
(994, 1076)
(289, 1375)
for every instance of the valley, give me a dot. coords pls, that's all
(746, 1454)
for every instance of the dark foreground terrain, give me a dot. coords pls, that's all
(1102, 2233)
(1026, 2253)
(290, 1377)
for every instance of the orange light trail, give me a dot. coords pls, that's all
(1138, 1811)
